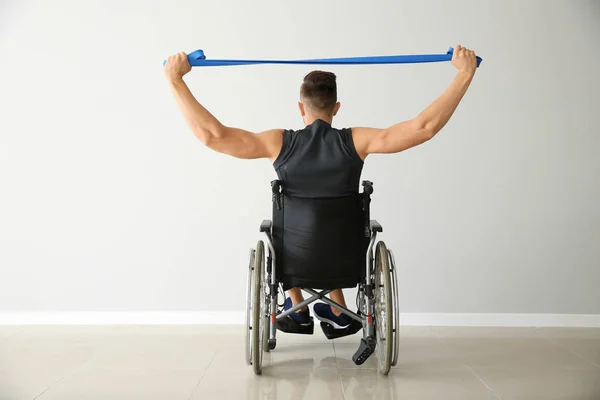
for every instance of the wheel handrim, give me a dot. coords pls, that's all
(249, 309)
(261, 331)
(395, 299)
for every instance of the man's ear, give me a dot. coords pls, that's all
(301, 108)
(336, 108)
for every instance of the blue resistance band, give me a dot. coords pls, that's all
(198, 59)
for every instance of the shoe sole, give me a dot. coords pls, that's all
(288, 325)
(330, 322)
(332, 333)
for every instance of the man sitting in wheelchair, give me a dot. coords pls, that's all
(321, 235)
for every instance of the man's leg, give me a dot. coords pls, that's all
(337, 324)
(338, 296)
(299, 321)
(296, 296)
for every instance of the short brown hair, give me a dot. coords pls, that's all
(319, 91)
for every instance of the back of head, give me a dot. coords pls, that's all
(319, 92)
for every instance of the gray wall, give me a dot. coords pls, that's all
(108, 202)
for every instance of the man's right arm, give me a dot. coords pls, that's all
(428, 123)
(216, 136)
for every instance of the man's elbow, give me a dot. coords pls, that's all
(202, 135)
(428, 133)
(218, 131)
(208, 136)
(426, 129)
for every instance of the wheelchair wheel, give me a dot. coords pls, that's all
(257, 328)
(383, 309)
(395, 305)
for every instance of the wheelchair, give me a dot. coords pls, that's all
(377, 297)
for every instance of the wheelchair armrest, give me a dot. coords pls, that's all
(376, 226)
(266, 225)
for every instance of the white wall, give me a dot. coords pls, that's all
(108, 202)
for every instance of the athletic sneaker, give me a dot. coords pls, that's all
(324, 313)
(302, 317)
(296, 322)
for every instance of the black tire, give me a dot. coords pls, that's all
(384, 324)
(258, 308)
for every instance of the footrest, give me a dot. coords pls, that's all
(332, 333)
(288, 325)
(365, 349)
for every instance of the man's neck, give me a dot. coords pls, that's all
(310, 119)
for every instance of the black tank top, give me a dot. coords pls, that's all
(318, 162)
(319, 232)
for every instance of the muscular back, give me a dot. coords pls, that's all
(319, 161)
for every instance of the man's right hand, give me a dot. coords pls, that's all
(464, 60)
(177, 66)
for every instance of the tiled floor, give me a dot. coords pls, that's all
(202, 362)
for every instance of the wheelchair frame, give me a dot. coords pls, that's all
(262, 307)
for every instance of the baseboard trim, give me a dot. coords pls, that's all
(123, 318)
(501, 319)
(238, 317)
